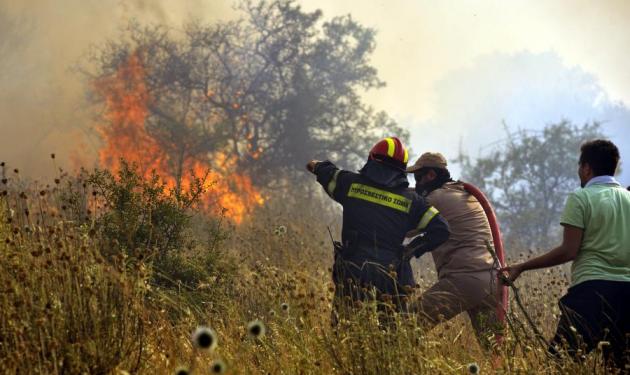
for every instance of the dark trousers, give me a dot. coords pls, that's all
(595, 312)
(367, 281)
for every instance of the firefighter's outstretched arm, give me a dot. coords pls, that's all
(328, 175)
(430, 233)
(311, 165)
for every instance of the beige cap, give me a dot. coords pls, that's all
(428, 160)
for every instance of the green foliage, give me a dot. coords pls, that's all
(144, 220)
(141, 217)
(528, 178)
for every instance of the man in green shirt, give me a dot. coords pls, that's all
(596, 222)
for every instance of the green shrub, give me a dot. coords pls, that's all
(142, 217)
(147, 222)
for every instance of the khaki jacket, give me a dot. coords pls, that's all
(465, 250)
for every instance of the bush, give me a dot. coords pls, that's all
(142, 217)
(146, 221)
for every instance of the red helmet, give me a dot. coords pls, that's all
(390, 151)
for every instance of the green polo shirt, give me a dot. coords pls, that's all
(603, 211)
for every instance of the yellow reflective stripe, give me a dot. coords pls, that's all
(429, 214)
(391, 147)
(333, 183)
(406, 157)
(378, 196)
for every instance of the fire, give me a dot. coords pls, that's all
(127, 101)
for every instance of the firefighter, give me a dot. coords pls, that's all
(378, 212)
(466, 280)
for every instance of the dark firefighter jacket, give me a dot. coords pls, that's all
(378, 210)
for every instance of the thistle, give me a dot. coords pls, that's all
(602, 344)
(218, 367)
(204, 338)
(473, 368)
(280, 230)
(256, 329)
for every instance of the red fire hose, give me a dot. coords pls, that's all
(503, 290)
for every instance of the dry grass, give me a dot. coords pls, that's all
(67, 309)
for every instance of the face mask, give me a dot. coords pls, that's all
(421, 189)
(426, 188)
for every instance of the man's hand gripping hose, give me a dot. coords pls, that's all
(506, 281)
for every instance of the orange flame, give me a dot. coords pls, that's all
(127, 101)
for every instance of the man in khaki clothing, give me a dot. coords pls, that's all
(466, 280)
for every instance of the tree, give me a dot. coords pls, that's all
(528, 177)
(270, 90)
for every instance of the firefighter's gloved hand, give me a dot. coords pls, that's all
(311, 165)
(414, 243)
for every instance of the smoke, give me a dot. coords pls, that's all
(42, 98)
(43, 106)
(523, 90)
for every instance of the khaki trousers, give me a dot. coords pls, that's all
(474, 293)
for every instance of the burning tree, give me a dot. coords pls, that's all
(254, 97)
(173, 149)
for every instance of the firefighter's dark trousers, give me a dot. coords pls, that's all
(368, 281)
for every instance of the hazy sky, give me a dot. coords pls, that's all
(454, 69)
(421, 42)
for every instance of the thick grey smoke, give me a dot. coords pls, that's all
(42, 96)
(523, 90)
